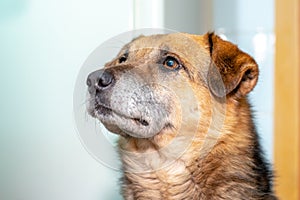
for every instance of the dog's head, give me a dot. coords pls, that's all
(161, 83)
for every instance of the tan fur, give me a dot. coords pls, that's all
(208, 156)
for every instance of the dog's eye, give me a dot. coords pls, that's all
(123, 58)
(171, 63)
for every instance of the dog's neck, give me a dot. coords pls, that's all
(197, 174)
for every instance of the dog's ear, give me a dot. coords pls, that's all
(237, 71)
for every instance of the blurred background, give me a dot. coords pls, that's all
(43, 44)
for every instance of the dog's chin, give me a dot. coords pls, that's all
(125, 125)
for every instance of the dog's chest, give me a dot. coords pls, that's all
(173, 181)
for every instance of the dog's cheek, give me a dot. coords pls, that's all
(170, 101)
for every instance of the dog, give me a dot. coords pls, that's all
(179, 104)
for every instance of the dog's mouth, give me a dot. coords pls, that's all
(101, 110)
(131, 121)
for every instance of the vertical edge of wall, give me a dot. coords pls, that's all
(207, 16)
(287, 95)
(192, 16)
(148, 14)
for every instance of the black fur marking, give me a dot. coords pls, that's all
(210, 42)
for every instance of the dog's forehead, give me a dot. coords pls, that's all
(179, 43)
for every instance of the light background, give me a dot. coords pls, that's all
(43, 44)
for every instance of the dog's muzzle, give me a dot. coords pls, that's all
(126, 103)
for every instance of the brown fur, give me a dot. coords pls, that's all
(227, 166)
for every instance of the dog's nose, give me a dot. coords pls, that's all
(99, 80)
(106, 78)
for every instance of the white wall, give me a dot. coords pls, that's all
(43, 44)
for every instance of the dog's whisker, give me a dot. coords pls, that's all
(83, 103)
(87, 117)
